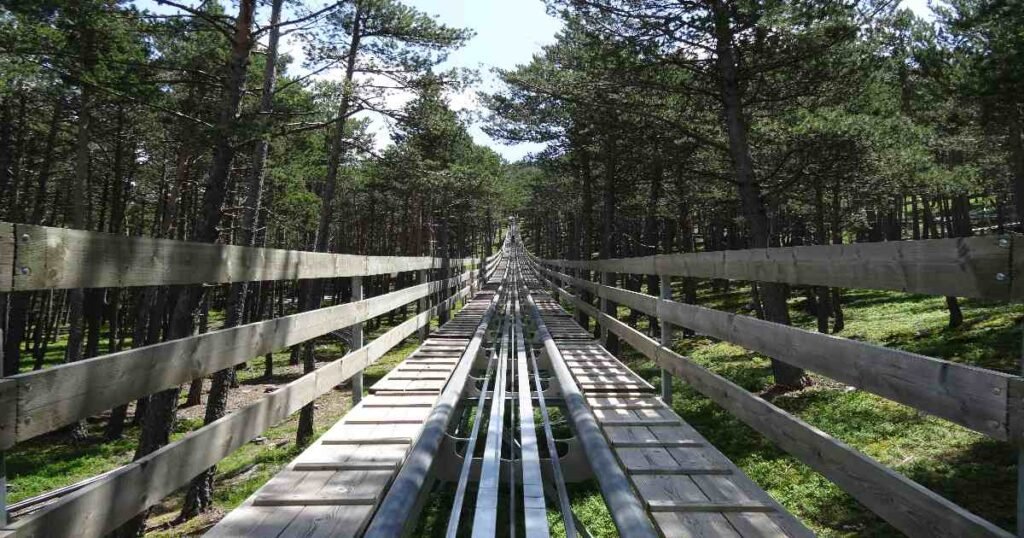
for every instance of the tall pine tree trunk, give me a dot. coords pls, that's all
(314, 288)
(200, 494)
(160, 412)
(772, 295)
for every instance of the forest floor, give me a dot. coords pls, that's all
(976, 472)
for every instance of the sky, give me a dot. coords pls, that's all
(508, 33)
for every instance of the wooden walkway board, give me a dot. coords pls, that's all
(689, 487)
(333, 487)
(598, 372)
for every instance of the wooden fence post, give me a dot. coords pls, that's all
(602, 306)
(3, 465)
(611, 308)
(1020, 460)
(424, 304)
(665, 292)
(357, 341)
(446, 269)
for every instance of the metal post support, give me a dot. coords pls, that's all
(357, 340)
(665, 292)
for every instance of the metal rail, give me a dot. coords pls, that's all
(534, 509)
(486, 516)
(510, 459)
(626, 510)
(467, 463)
(399, 505)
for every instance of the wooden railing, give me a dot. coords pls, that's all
(42, 258)
(983, 400)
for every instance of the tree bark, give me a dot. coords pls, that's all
(608, 236)
(200, 494)
(1017, 160)
(772, 295)
(314, 288)
(76, 297)
(160, 412)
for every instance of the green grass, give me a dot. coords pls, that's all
(968, 468)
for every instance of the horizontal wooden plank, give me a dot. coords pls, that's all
(640, 422)
(707, 506)
(304, 500)
(51, 398)
(908, 506)
(680, 470)
(369, 441)
(347, 466)
(7, 247)
(104, 505)
(963, 267)
(972, 397)
(322, 488)
(622, 406)
(59, 258)
(8, 410)
(648, 443)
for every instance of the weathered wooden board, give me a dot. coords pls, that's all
(8, 410)
(7, 247)
(311, 488)
(255, 521)
(972, 397)
(54, 397)
(105, 504)
(387, 415)
(905, 504)
(366, 433)
(329, 522)
(963, 267)
(351, 457)
(59, 258)
(664, 457)
(678, 506)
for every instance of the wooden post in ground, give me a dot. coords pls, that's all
(357, 340)
(1020, 460)
(3, 465)
(665, 292)
(612, 309)
(424, 305)
(446, 270)
(603, 307)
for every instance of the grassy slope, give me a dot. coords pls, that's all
(973, 471)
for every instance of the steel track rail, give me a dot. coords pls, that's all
(400, 503)
(626, 510)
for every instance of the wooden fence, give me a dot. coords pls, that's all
(43, 258)
(986, 401)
